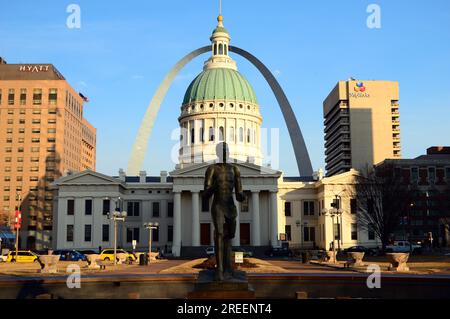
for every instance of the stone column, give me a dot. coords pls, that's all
(195, 219)
(237, 237)
(274, 219)
(176, 245)
(256, 236)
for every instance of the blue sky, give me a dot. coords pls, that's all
(124, 49)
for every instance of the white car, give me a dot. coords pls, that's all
(3, 257)
(403, 246)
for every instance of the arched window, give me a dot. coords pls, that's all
(226, 49)
(211, 133)
(215, 48)
(254, 136)
(220, 48)
(241, 135)
(192, 135)
(248, 135)
(231, 134)
(221, 133)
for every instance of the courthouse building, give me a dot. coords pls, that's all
(43, 137)
(219, 105)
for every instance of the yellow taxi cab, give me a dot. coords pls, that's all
(23, 256)
(108, 254)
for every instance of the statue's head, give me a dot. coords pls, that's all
(222, 152)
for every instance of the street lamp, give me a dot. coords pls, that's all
(150, 226)
(116, 216)
(334, 211)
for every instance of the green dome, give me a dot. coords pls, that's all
(222, 84)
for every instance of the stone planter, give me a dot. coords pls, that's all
(122, 258)
(398, 261)
(49, 264)
(355, 259)
(92, 261)
(331, 257)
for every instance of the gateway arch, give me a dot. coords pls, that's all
(298, 143)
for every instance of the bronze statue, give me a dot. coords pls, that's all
(220, 180)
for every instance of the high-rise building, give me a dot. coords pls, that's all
(43, 136)
(362, 125)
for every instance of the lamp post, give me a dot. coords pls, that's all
(18, 221)
(334, 211)
(150, 226)
(116, 216)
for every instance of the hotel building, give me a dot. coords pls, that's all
(43, 136)
(362, 125)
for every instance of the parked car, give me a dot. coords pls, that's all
(210, 251)
(403, 246)
(246, 253)
(88, 252)
(70, 255)
(279, 252)
(108, 254)
(361, 249)
(23, 256)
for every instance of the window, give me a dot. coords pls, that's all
(33, 178)
(51, 130)
(70, 207)
(371, 232)
(220, 48)
(431, 174)
(155, 234)
(155, 209)
(287, 209)
(231, 134)
(241, 135)
(205, 204)
(11, 97)
(133, 208)
(0, 96)
(211, 133)
(69, 233)
(221, 133)
(37, 96)
(244, 204)
(248, 135)
(353, 207)
(414, 174)
(354, 232)
(287, 230)
(309, 234)
(23, 96)
(51, 121)
(36, 121)
(169, 209)
(106, 206)
(447, 173)
(132, 234)
(88, 207)
(169, 233)
(105, 232)
(87, 232)
(308, 208)
(52, 96)
(35, 130)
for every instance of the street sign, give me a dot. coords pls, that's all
(134, 244)
(239, 257)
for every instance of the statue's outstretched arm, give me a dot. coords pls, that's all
(209, 186)
(240, 196)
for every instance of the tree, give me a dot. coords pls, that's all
(383, 200)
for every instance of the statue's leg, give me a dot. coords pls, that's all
(219, 243)
(230, 229)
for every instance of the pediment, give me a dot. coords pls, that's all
(87, 177)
